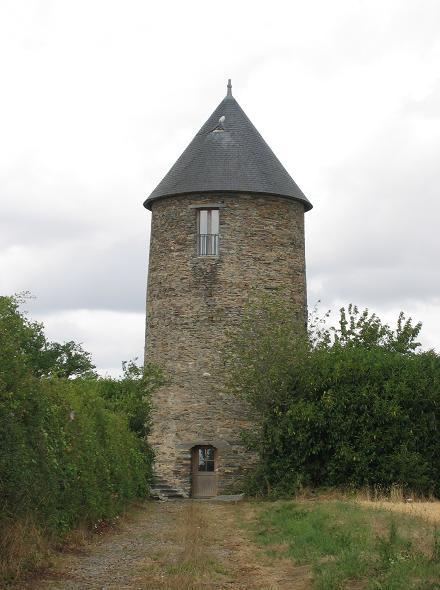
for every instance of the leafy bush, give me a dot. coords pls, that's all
(64, 456)
(72, 450)
(351, 405)
(131, 394)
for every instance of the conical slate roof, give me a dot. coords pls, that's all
(228, 156)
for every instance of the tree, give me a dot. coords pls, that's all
(366, 329)
(24, 347)
(262, 352)
(131, 395)
(350, 404)
(259, 353)
(68, 360)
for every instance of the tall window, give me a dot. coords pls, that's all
(208, 228)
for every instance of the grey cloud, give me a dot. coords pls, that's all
(376, 235)
(428, 107)
(86, 277)
(72, 244)
(80, 152)
(398, 286)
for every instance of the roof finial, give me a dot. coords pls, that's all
(229, 88)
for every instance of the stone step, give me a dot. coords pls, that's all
(166, 494)
(163, 498)
(162, 490)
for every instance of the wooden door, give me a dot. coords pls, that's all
(204, 476)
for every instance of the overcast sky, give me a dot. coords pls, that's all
(99, 98)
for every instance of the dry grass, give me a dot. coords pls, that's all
(429, 511)
(187, 545)
(195, 545)
(397, 501)
(206, 548)
(26, 551)
(22, 548)
(193, 564)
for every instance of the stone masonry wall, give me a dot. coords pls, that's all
(191, 300)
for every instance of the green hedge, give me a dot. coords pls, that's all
(64, 457)
(352, 404)
(72, 450)
(68, 452)
(354, 417)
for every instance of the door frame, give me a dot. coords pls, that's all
(197, 476)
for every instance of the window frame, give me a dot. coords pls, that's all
(204, 464)
(209, 245)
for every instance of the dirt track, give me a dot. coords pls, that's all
(183, 545)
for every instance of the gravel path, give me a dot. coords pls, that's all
(182, 545)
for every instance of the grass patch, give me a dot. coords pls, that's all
(187, 561)
(23, 547)
(348, 546)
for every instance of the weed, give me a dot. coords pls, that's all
(23, 546)
(349, 546)
(436, 546)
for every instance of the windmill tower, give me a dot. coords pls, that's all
(226, 219)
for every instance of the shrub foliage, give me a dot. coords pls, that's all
(64, 456)
(72, 445)
(351, 405)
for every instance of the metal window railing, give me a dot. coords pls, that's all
(207, 245)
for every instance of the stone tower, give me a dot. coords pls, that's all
(226, 219)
